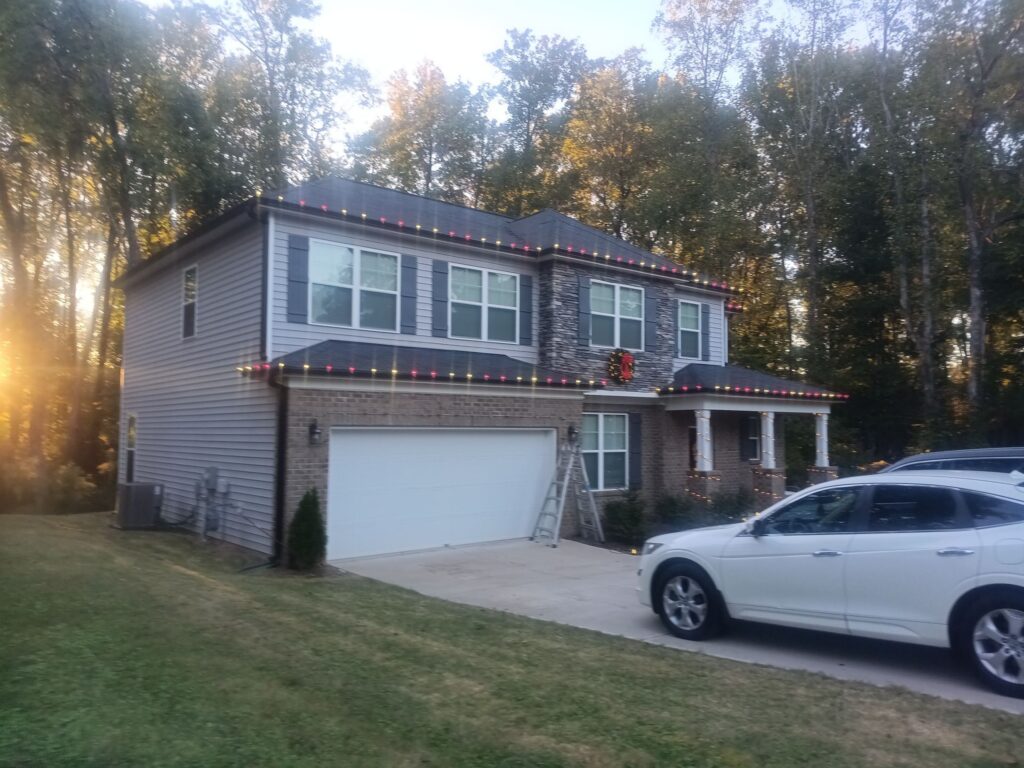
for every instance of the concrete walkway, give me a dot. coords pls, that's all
(593, 588)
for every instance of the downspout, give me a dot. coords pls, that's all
(280, 467)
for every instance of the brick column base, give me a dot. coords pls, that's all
(703, 486)
(817, 475)
(769, 485)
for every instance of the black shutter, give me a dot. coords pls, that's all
(705, 332)
(526, 310)
(745, 452)
(635, 454)
(298, 279)
(408, 308)
(583, 314)
(440, 299)
(651, 320)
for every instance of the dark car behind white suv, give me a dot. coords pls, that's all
(1003, 460)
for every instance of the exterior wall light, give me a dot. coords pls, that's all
(316, 435)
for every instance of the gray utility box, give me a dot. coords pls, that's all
(138, 505)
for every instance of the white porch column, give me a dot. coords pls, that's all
(767, 440)
(821, 440)
(705, 452)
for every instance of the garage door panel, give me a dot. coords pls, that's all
(394, 490)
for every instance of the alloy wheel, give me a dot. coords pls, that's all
(685, 603)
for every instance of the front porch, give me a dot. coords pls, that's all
(723, 431)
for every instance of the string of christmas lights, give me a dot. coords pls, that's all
(761, 391)
(263, 369)
(687, 275)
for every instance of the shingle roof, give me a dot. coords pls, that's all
(386, 361)
(537, 234)
(703, 378)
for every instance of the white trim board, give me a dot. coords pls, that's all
(747, 404)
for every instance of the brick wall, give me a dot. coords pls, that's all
(307, 464)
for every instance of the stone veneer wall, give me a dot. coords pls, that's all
(307, 464)
(559, 328)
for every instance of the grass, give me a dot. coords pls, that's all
(152, 649)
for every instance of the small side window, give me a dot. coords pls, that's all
(190, 297)
(987, 511)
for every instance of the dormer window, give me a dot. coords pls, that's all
(616, 316)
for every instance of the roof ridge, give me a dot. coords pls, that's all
(392, 190)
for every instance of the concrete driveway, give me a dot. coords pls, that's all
(593, 588)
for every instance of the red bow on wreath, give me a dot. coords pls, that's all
(620, 366)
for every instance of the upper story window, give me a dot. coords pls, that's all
(484, 304)
(616, 316)
(689, 330)
(189, 297)
(352, 287)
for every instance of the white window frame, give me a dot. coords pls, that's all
(753, 435)
(618, 318)
(484, 304)
(598, 483)
(356, 288)
(194, 303)
(680, 330)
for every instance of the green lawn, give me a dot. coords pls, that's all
(151, 649)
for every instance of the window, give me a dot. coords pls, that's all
(689, 330)
(616, 316)
(353, 287)
(828, 511)
(189, 297)
(484, 304)
(750, 437)
(913, 508)
(603, 444)
(986, 511)
(129, 450)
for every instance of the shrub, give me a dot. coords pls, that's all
(307, 536)
(624, 519)
(70, 490)
(731, 507)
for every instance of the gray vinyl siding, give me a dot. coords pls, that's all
(717, 328)
(193, 409)
(288, 337)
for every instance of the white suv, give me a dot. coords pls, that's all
(936, 558)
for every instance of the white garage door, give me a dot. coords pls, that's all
(398, 490)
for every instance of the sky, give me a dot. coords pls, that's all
(388, 35)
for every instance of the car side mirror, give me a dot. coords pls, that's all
(757, 527)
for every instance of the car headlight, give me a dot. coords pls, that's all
(650, 547)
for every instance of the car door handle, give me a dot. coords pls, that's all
(826, 553)
(953, 551)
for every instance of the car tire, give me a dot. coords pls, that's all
(687, 602)
(992, 636)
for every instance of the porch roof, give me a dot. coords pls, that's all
(734, 381)
(350, 359)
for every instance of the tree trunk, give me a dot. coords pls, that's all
(976, 294)
(74, 369)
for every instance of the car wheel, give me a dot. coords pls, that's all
(993, 635)
(687, 603)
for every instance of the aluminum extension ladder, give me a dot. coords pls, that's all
(570, 475)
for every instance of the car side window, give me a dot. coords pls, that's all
(994, 464)
(924, 465)
(826, 511)
(913, 508)
(986, 510)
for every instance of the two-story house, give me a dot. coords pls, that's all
(419, 362)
